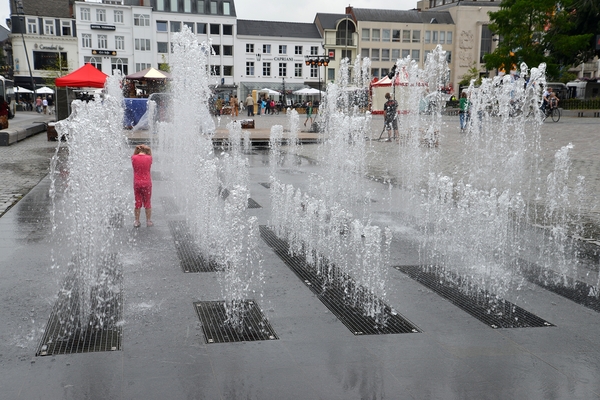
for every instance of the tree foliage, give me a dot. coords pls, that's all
(536, 31)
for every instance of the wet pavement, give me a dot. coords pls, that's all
(164, 355)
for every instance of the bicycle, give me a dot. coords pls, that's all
(553, 112)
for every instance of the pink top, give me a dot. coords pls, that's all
(141, 168)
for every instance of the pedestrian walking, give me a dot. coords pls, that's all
(309, 111)
(250, 105)
(38, 104)
(463, 111)
(141, 161)
(45, 105)
(50, 105)
(390, 111)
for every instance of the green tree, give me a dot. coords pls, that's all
(472, 73)
(536, 31)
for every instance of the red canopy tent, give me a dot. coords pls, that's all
(86, 76)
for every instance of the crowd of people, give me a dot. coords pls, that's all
(40, 104)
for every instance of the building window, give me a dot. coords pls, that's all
(200, 28)
(442, 37)
(102, 41)
(396, 35)
(266, 49)
(101, 15)
(449, 56)
(66, 28)
(85, 14)
(385, 54)
(142, 44)
(200, 7)
(313, 71)
(406, 36)
(486, 42)
(213, 7)
(366, 34)
(161, 26)
(48, 27)
(187, 6)
(385, 71)
(227, 50)
(434, 37)
(374, 54)
(416, 36)
(297, 70)
(119, 42)
(216, 50)
(32, 25)
(347, 54)
(227, 70)
(405, 53)
(297, 49)
(314, 50)
(448, 37)
(416, 55)
(426, 55)
(160, 5)
(86, 40)
(375, 35)
(96, 62)
(141, 20)
(331, 53)
(249, 67)
(427, 36)
(283, 69)
(226, 8)
(249, 49)
(173, 6)
(385, 35)
(118, 16)
(215, 29)
(282, 49)
(227, 30)
(267, 69)
(190, 25)
(395, 54)
(141, 66)
(375, 72)
(162, 47)
(331, 74)
(120, 64)
(365, 53)
(215, 70)
(175, 26)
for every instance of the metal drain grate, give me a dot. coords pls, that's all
(253, 204)
(87, 334)
(254, 325)
(169, 205)
(266, 184)
(579, 292)
(334, 296)
(190, 257)
(485, 306)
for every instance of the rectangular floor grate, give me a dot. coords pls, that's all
(87, 337)
(334, 297)
(254, 326)
(253, 204)
(169, 205)
(190, 257)
(481, 304)
(579, 292)
(266, 185)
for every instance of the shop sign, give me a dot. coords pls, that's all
(104, 52)
(103, 27)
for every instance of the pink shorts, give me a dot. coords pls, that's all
(142, 196)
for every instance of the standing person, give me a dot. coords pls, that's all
(38, 104)
(219, 105)
(268, 105)
(250, 105)
(463, 113)
(309, 110)
(50, 105)
(390, 112)
(3, 113)
(141, 161)
(45, 105)
(236, 105)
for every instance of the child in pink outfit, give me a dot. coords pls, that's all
(142, 183)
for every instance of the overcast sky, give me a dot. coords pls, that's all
(286, 10)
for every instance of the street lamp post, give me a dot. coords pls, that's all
(283, 104)
(319, 61)
(20, 13)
